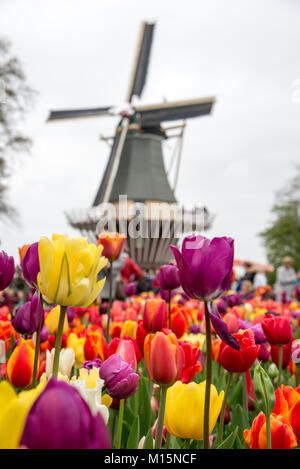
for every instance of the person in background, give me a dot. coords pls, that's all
(247, 290)
(285, 278)
(260, 279)
(249, 272)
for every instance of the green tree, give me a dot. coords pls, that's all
(282, 238)
(16, 98)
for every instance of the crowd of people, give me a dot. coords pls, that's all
(286, 286)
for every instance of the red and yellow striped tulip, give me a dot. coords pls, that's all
(20, 364)
(163, 358)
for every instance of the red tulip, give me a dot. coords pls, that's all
(282, 435)
(190, 365)
(141, 334)
(179, 321)
(286, 354)
(278, 329)
(155, 315)
(239, 361)
(95, 346)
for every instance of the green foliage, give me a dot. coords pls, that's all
(264, 390)
(282, 237)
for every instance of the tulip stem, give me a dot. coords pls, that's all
(245, 396)
(120, 424)
(208, 365)
(221, 426)
(170, 324)
(268, 425)
(58, 340)
(109, 301)
(161, 416)
(280, 364)
(37, 347)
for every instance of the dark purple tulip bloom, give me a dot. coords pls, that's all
(259, 334)
(44, 334)
(233, 300)
(222, 305)
(7, 270)
(71, 313)
(61, 419)
(205, 269)
(130, 289)
(168, 277)
(195, 329)
(221, 327)
(120, 380)
(90, 364)
(28, 316)
(205, 266)
(31, 264)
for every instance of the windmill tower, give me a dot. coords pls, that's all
(135, 168)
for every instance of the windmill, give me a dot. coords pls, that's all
(135, 167)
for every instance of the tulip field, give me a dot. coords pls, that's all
(189, 365)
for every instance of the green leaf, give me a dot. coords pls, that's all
(229, 441)
(144, 406)
(148, 443)
(264, 390)
(134, 435)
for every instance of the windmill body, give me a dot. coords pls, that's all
(135, 168)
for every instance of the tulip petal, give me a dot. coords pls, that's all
(221, 327)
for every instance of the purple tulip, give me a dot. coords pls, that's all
(28, 316)
(259, 334)
(44, 334)
(205, 270)
(90, 364)
(31, 264)
(7, 270)
(297, 292)
(233, 300)
(195, 329)
(130, 289)
(168, 277)
(264, 353)
(120, 380)
(222, 305)
(205, 267)
(61, 419)
(221, 327)
(71, 313)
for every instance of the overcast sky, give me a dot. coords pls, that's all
(79, 53)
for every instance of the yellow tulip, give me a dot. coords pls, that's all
(69, 270)
(77, 344)
(52, 319)
(184, 414)
(129, 329)
(14, 409)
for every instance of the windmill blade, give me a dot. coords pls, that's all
(155, 114)
(79, 113)
(141, 61)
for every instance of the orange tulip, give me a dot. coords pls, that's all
(22, 252)
(20, 364)
(95, 346)
(288, 406)
(112, 245)
(282, 434)
(163, 358)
